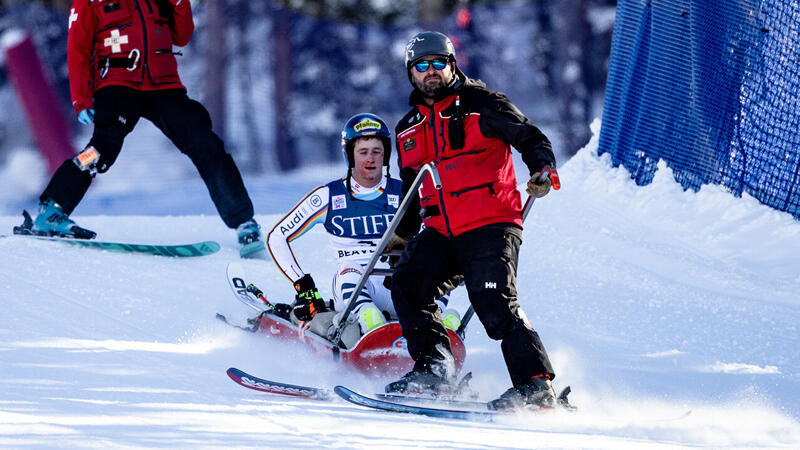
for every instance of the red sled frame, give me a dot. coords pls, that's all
(381, 352)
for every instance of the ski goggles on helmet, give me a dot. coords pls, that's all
(437, 63)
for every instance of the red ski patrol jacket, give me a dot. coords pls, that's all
(479, 186)
(125, 43)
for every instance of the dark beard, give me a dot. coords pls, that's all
(431, 90)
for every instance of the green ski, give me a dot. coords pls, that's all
(176, 251)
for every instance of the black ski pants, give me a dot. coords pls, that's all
(184, 121)
(486, 260)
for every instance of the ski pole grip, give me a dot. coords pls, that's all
(253, 289)
(553, 175)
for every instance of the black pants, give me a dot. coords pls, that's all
(486, 260)
(184, 121)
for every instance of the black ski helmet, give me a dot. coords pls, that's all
(428, 43)
(365, 125)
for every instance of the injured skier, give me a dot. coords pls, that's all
(356, 211)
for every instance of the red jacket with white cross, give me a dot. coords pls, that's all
(125, 43)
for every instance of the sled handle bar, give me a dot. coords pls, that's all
(425, 170)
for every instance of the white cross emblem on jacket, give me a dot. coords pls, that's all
(73, 16)
(115, 41)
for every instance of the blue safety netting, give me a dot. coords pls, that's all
(713, 89)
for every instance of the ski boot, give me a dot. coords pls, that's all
(249, 236)
(537, 393)
(363, 319)
(433, 377)
(369, 317)
(451, 319)
(420, 381)
(52, 222)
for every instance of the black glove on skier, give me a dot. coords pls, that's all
(539, 184)
(307, 302)
(396, 242)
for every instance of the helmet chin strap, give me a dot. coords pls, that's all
(384, 176)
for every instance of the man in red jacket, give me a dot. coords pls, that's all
(121, 68)
(473, 226)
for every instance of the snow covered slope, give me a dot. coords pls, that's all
(651, 301)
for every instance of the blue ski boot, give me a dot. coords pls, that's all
(52, 222)
(249, 235)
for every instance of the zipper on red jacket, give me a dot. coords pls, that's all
(436, 159)
(145, 55)
(470, 152)
(489, 186)
(119, 27)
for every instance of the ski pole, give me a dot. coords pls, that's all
(259, 294)
(556, 182)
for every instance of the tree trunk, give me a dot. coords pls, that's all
(216, 65)
(430, 11)
(573, 33)
(284, 144)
